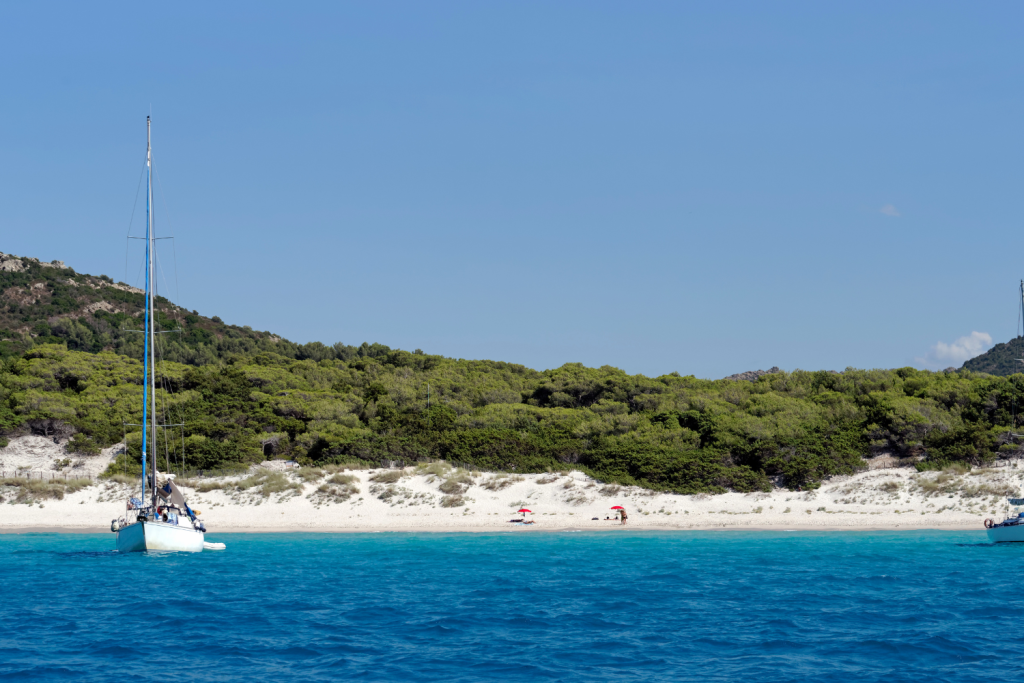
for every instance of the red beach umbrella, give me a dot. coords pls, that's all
(618, 507)
(524, 510)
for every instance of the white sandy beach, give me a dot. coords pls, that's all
(879, 499)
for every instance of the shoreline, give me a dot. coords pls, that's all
(492, 530)
(278, 497)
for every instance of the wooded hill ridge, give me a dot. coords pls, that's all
(1001, 359)
(245, 396)
(45, 303)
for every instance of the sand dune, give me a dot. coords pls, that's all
(275, 497)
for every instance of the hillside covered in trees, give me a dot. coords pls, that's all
(47, 303)
(70, 367)
(1001, 359)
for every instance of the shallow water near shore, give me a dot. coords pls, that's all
(561, 606)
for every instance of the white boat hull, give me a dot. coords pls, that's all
(143, 536)
(1007, 534)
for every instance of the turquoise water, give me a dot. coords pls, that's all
(707, 606)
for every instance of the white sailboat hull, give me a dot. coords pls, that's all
(143, 536)
(1007, 534)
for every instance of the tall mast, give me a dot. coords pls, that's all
(151, 313)
(148, 371)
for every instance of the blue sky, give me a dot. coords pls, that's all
(696, 187)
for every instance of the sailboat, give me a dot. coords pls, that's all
(165, 522)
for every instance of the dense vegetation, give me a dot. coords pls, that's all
(671, 432)
(68, 367)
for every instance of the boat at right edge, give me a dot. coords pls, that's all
(1010, 530)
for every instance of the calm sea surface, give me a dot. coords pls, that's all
(707, 606)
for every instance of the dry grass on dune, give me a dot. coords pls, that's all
(497, 482)
(31, 491)
(387, 477)
(457, 483)
(337, 489)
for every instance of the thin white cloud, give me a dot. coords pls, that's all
(944, 355)
(889, 210)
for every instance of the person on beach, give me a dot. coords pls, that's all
(622, 516)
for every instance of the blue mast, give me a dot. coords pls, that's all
(145, 352)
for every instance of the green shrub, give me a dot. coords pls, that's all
(83, 445)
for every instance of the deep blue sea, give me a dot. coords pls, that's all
(682, 606)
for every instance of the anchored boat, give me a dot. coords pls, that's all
(165, 522)
(1010, 530)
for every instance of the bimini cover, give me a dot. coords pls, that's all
(1016, 501)
(172, 495)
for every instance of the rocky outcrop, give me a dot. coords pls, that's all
(11, 264)
(15, 264)
(99, 306)
(125, 288)
(752, 375)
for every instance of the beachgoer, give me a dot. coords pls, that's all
(622, 516)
